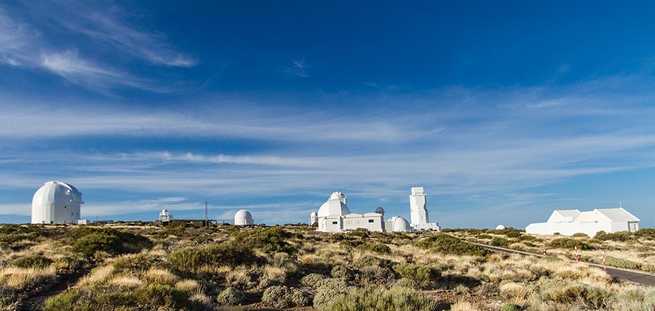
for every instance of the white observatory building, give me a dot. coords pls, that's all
(165, 216)
(56, 202)
(243, 218)
(313, 218)
(334, 216)
(418, 210)
(570, 222)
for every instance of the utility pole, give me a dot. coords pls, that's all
(206, 220)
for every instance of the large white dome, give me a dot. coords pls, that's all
(334, 206)
(243, 218)
(400, 224)
(56, 202)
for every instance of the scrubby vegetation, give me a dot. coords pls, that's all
(190, 267)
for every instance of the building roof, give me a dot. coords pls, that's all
(617, 214)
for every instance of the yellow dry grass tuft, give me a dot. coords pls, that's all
(188, 285)
(126, 281)
(98, 275)
(19, 278)
(161, 276)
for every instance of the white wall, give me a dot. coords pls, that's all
(568, 229)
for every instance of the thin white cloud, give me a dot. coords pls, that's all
(109, 26)
(23, 46)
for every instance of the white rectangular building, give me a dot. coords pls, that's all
(570, 222)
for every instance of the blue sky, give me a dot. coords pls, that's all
(502, 112)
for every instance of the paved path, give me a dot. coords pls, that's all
(635, 276)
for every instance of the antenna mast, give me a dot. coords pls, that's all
(206, 220)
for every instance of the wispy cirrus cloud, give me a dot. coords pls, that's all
(110, 26)
(31, 46)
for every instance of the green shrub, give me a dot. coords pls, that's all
(425, 277)
(593, 297)
(510, 307)
(159, 294)
(327, 290)
(580, 235)
(284, 297)
(32, 261)
(193, 258)
(568, 243)
(500, 242)
(271, 240)
(404, 282)
(151, 297)
(484, 236)
(447, 244)
(341, 272)
(622, 263)
(648, 233)
(114, 242)
(616, 236)
(312, 280)
(230, 297)
(381, 299)
(375, 275)
(377, 248)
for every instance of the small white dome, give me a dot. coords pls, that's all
(400, 224)
(500, 227)
(335, 206)
(164, 212)
(243, 218)
(56, 202)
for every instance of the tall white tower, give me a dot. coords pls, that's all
(417, 206)
(418, 210)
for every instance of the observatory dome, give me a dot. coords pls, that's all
(335, 206)
(313, 218)
(400, 224)
(243, 218)
(500, 227)
(56, 202)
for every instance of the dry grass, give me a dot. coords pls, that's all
(161, 276)
(19, 278)
(126, 281)
(98, 275)
(463, 306)
(188, 285)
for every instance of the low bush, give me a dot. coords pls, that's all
(230, 296)
(622, 263)
(32, 261)
(568, 243)
(150, 297)
(510, 307)
(194, 258)
(377, 248)
(593, 297)
(284, 297)
(616, 236)
(327, 290)
(447, 244)
(425, 277)
(312, 280)
(580, 235)
(89, 241)
(381, 299)
(342, 272)
(375, 275)
(500, 242)
(271, 240)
